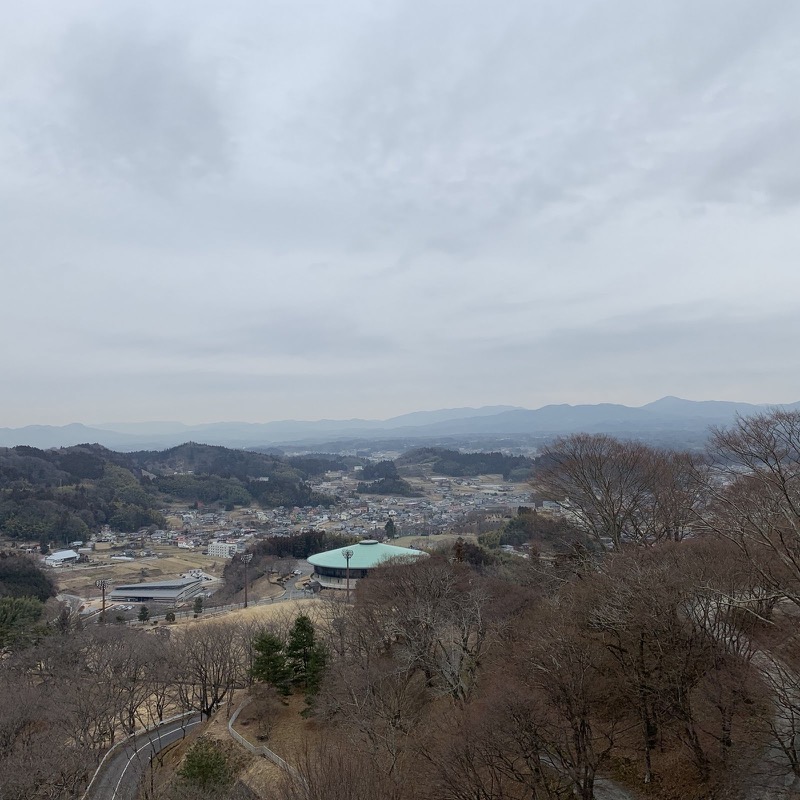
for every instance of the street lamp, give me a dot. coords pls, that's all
(348, 554)
(246, 559)
(102, 584)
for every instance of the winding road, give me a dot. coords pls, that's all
(120, 776)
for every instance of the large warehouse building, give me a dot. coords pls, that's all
(61, 558)
(330, 567)
(176, 591)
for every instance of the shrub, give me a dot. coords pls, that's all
(206, 766)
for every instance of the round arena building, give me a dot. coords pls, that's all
(330, 567)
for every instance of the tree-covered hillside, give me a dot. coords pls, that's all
(21, 576)
(382, 478)
(64, 495)
(209, 474)
(455, 464)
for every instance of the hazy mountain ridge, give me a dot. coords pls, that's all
(667, 413)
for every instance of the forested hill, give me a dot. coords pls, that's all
(234, 477)
(21, 576)
(453, 463)
(61, 495)
(225, 462)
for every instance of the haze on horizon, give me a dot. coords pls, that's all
(273, 210)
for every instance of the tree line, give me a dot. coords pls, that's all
(456, 464)
(664, 660)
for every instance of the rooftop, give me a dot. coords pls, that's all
(150, 586)
(63, 554)
(366, 554)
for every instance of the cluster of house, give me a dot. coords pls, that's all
(449, 504)
(217, 544)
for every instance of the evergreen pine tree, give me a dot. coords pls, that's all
(316, 667)
(306, 656)
(270, 663)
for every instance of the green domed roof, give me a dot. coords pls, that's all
(366, 554)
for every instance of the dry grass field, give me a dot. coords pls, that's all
(290, 736)
(287, 610)
(169, 563)
(431, 542)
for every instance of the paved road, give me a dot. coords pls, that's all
(122, 774)
(72, 600)
(772, 776)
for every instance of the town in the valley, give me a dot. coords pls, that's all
(200, 541)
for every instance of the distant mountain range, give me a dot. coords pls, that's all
(665, 416)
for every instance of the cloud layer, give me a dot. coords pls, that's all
(304, 209)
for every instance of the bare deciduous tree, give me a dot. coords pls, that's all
(39, 758)
(755, 491)
(494, 749)
(376, 700)
(333, 771)
(622, 492)
(210, 665)
(438, 622)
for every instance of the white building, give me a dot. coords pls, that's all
(225, 549)
(62, 557)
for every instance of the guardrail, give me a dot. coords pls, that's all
(213, 611)
(259, 750)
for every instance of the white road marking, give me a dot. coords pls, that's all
(148, 743)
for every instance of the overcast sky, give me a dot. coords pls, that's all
(257, 210)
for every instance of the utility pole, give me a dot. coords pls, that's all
(246, 559)
(102, 584)
(348, 554)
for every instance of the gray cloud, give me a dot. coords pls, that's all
(135, 106)
(284, 335)
(263, 210)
